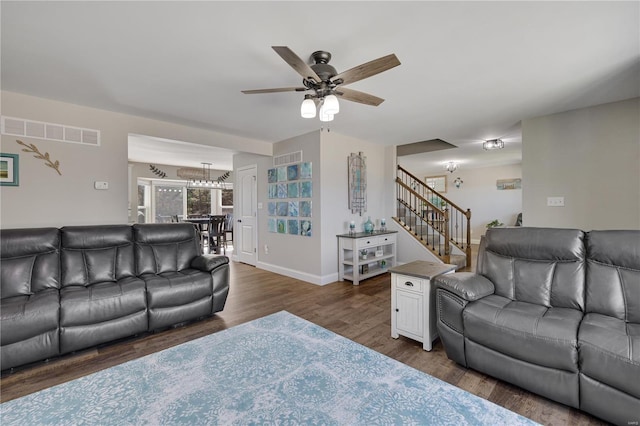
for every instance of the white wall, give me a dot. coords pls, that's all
(46, 199)
(480, 194)
(589, 156)
(315, 259)
(336, 215)
(293, 255)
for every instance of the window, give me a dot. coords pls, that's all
(198, 202)
(168, 202)
(144, 203)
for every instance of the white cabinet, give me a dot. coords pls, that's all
(363, 255)
(413, 312)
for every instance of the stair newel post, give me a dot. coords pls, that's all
(447, 236)
(468, 245)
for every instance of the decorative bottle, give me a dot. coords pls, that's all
(368, 226)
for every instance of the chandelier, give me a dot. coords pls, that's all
(205, 180)
(451, 166)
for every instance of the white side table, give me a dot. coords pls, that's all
(380, 250)
(413, 311)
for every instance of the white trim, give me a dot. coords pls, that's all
(303, 276)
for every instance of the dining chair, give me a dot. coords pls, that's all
(228, 228)
(217, 234)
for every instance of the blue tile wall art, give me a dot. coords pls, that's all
(291, 189)
(292, 172)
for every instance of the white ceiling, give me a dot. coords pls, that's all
(470, 70)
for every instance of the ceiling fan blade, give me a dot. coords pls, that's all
(360, 97)
(367, 70)
(296, 63)
(280, 89)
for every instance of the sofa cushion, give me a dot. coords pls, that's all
(541, 266)
(177, 288)
(23, 317)
(101, 302)
(29, 328)
(165, 247)
(15, 276)
(525, 331)
(609, 351)
(95, 254)
(30, 260)
(613, 274)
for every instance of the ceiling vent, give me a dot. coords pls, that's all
(51, 131)
(292, 157)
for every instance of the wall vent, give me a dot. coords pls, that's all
(51, 131)
(290, 158)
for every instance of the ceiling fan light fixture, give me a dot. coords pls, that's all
(331, 105)
(323, 115)
(308, 108)
(493, 144)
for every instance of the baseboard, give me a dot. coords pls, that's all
(302, 276)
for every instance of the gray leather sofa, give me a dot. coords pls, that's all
(79, 286)
(554, 311)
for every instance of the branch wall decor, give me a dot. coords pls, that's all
(156, 171)
(55, 165)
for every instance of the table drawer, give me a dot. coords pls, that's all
(410, 283)
(367, 242)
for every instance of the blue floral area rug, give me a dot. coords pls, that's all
(277, 370)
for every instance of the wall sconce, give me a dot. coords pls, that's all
(458, 182)
(451, 167)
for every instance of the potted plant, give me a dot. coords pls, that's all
(494, 223)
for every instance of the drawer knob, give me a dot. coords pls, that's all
(409, 284)
(397, 310)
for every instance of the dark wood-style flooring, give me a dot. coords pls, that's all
(360, 313)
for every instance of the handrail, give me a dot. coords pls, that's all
(451, 221)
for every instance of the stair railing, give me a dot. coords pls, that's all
(424, 206)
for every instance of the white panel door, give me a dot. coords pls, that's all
(247, 212)
(409, 312)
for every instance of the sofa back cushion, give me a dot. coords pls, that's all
(544, 266)
(94, 254)
(613, 274)
(165, 247)
(30, 261)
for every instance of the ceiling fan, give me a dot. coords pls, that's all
(325, 84)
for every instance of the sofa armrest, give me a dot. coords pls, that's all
(466, 285)
(209, 262)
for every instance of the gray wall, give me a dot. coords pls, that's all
(589, 156)
(46, 199)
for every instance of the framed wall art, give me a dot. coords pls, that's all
(9, 169)
(437, 183)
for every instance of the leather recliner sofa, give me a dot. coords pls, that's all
(80, 286)
(554, 311)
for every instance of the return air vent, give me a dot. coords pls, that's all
(292, 157)
(51, 131)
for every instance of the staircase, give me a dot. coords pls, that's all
(434, 220)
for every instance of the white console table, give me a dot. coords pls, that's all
(380, 249)
(413, 311)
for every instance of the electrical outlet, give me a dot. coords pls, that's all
(101, 185)
(555, 201)
(266, 249)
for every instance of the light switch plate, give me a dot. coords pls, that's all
(101, 185)
(555, 201)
